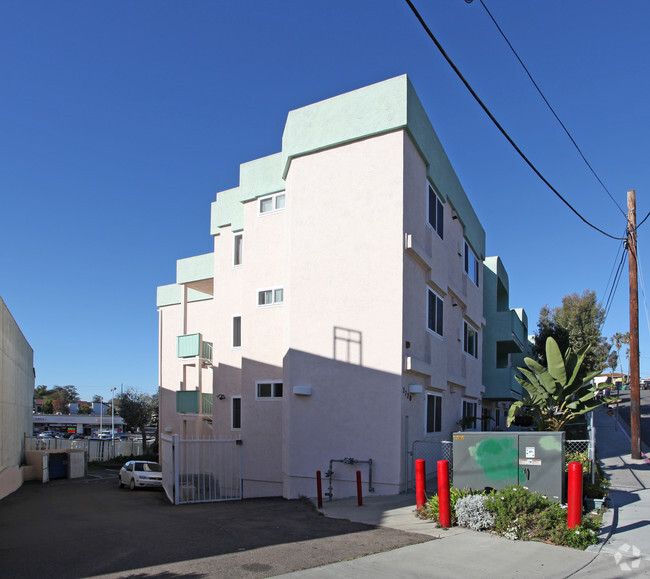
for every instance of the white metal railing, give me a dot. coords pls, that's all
(198, 471)
(97, 450)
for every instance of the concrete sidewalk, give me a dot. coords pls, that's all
(623, 549)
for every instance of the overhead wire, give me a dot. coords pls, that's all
(530, 76)
(498, 125)
(617, 279)
(621, 247)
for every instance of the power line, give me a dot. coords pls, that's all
(621, 247)
(530, 76)
(612, 292)
(496, 123)
(643, 220)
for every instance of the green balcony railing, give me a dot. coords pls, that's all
(192, 345)
(188, 401)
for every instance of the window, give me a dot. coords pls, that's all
(497, 418)
(268, 390)
(436, 213)
(238, 249)
(434, 312)
(236, 332)
(470, 340)
(272, 203)
(236, 412)
(269, 297)
(469, 415)
(434, 413)
(471, 264)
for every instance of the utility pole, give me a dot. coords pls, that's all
(635, 393)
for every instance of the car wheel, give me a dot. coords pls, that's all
(132, 485)
(119, 481)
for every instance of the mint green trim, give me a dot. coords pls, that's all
(227, 210)
(256, 179)
(195, 268)
(261, 177)
(381, 108)
(365, 112)
(374, 110)
(170, 295)
(188, 401)
(187, 346)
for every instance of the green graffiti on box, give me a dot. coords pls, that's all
(497, 457)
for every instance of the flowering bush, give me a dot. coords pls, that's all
(431, 510)
(525, 515)
(471, 512)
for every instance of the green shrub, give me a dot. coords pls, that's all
(525, 515)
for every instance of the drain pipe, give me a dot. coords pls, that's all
(330, 473)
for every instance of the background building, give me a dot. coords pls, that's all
(16, 394)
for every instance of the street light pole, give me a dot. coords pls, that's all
(113, 418)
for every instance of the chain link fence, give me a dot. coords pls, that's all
(431, 451)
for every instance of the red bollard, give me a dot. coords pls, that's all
(574, 496)
(420, 478)
(319, 490)
(359, 496)
(444, 507)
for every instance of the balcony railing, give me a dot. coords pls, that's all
(500, 383)
(188, 401)
(192, 345)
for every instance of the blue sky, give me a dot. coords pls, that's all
(120, 121)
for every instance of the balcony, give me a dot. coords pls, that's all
(188, 401)
(508, 326)
(500, 384)
(192, 346)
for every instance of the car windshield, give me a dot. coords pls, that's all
(148, 467)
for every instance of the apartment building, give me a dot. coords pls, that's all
(505, 345)
(340, 313)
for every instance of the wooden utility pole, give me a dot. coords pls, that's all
(635, 393)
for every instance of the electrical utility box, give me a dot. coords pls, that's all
(494, 460)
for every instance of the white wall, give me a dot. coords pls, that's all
(16, 395)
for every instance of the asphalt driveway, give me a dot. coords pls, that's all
(89, 527)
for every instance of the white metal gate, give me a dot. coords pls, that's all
(200, 471)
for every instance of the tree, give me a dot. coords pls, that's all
(48, 407)
(39, 391)
(619, 340)
(575, 324)
(559, 392)
(97, 398)
(136, 408)
(85, 409)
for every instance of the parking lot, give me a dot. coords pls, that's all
(89, 527)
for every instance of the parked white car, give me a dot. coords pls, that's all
(140, 473)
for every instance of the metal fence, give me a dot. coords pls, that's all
(581, 451)
(199, 471)
(431, 451)
(99, 450)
